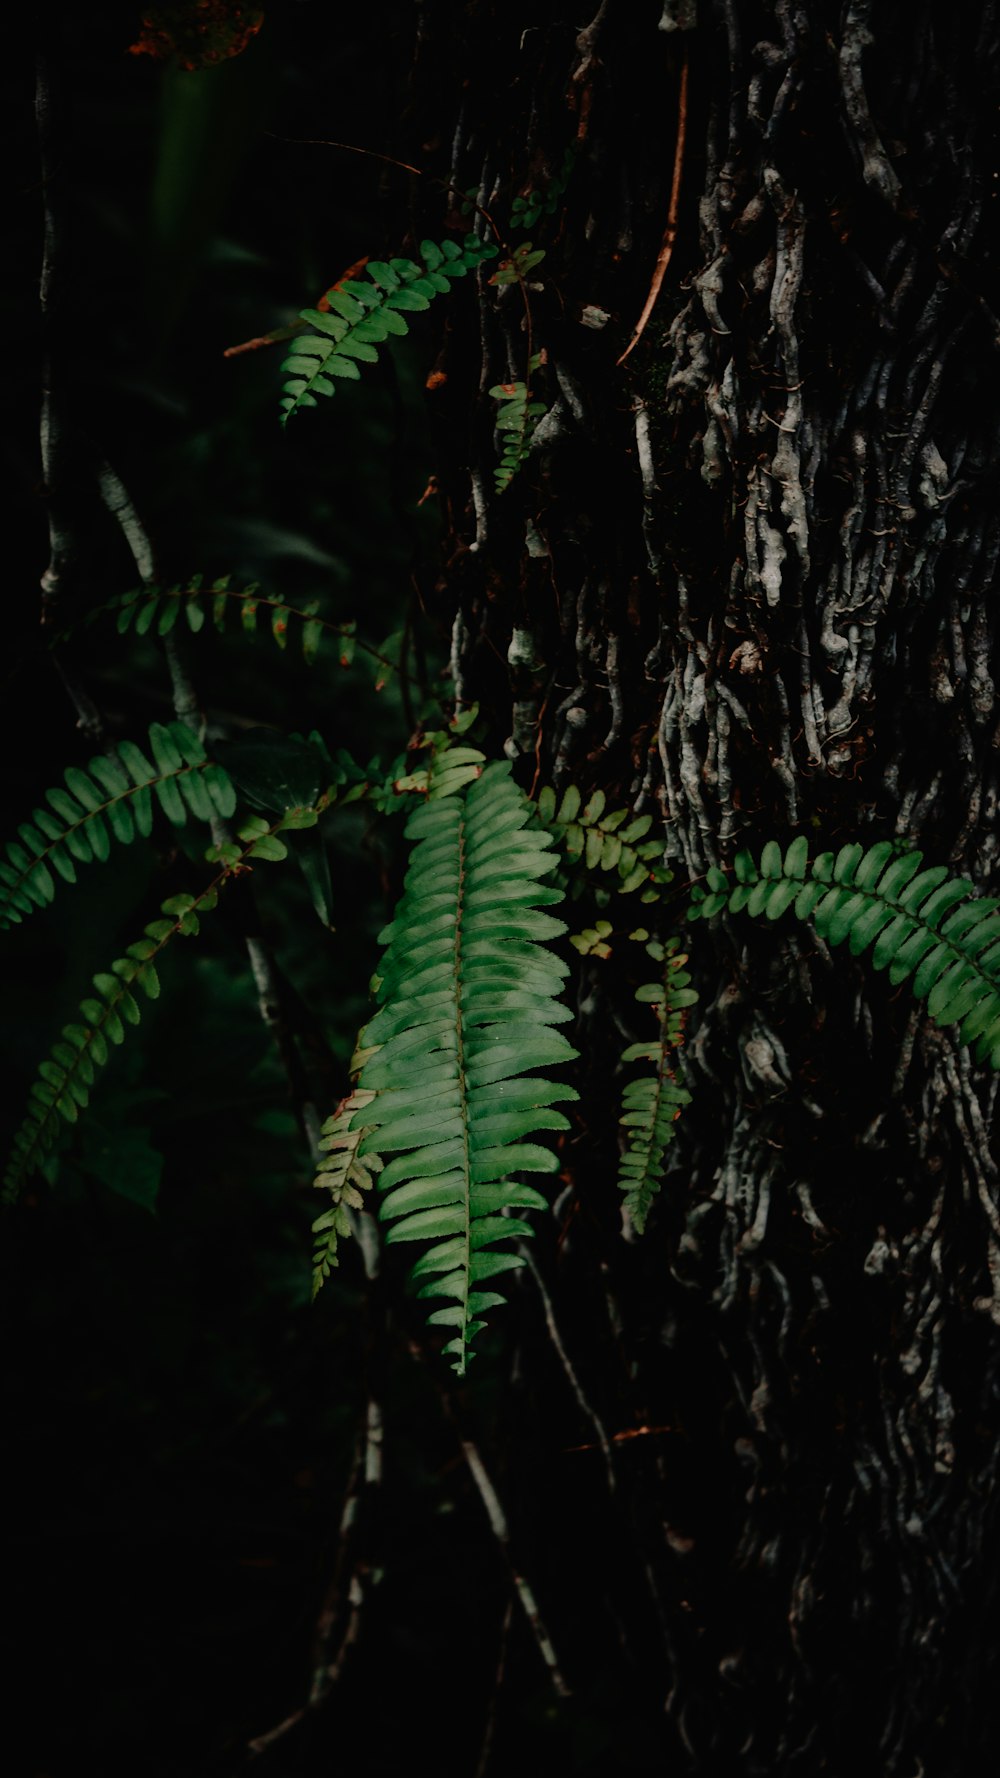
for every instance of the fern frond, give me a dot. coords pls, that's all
(468, 1000)
(66, 1077)
(606, 840)
(363, 313)
(652, 1103)
(137, 609)
(111, 800)
(344, 1175)
(921, 924)
(516, 419)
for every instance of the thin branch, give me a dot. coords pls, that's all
(491, 1714)
(353, 1574)
(501, 1531)
(348, 147)
(576, 1386)
(670, 232)
(525, 1593)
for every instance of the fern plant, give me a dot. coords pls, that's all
(468, 997)
(112, 800)
(516, 419)
(923, 925)
(651, 1104)
(62, 1089)
(344, 1175)
(364, 312)
(144, 607)
(606, 840)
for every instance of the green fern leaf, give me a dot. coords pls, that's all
(516, 419)
(604, 840)
(465, 1018)
(361, 316)
(344, 1175)
(114, 793)
(221, 601)
(922, 924)
(652, 1103)
(65, 1078)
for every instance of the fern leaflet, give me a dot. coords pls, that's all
(136, 610)
(363, 313)
(652, 1103)
(515, 422)
(111, 800)
(66, 1077)
(924, 924)
(468, 1000)
(344, 1175)
(606, 841)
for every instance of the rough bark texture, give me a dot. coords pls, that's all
(751, 572)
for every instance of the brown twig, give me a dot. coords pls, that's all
(670, 232)
(352, 1576)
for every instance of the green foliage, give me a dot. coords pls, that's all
(593, 940)
(522, 261)
(64, 1082)
(344, 1175)
(364, 313)
(516, 419)
(652, 1103)
(111, 801)
(65, 1079)
(468, 997)
(220, 602)
(924, 925)
(606, 841)
(528, 207)
(450, 766)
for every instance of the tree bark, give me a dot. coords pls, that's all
(749, 576)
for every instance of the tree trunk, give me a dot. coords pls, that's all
(744, 582)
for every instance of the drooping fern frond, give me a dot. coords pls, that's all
(112, 800)
(344, 1175)
(651, 1104)
(516, 419)
(468, 1000)
(921, 924)
(606, 840)
(66, 1077)
(364, 312)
